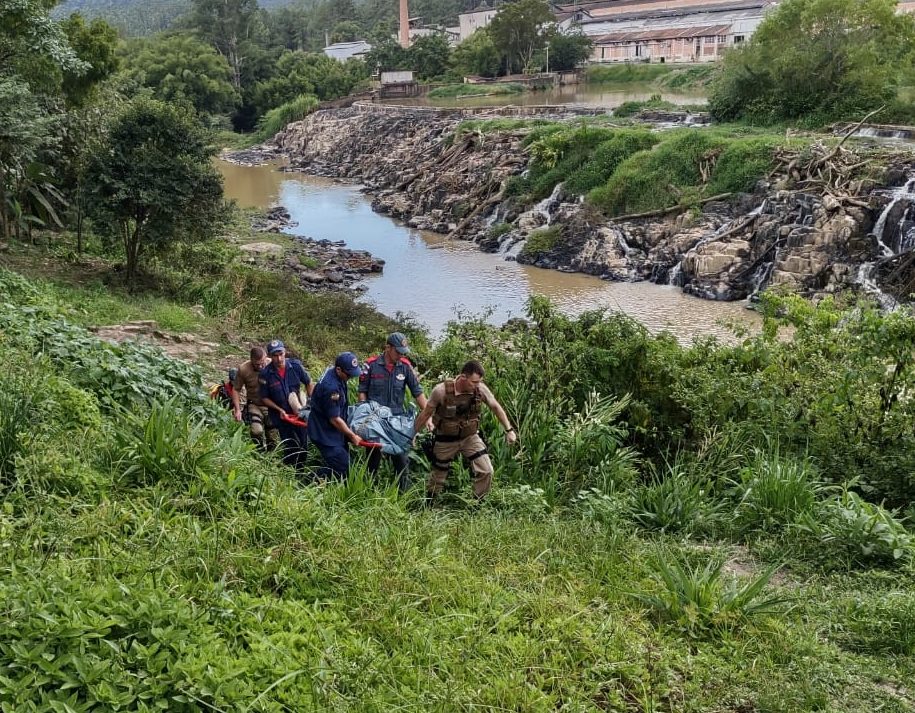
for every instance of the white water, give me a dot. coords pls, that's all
(548, 205)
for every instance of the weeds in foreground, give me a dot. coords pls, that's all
(699, 600)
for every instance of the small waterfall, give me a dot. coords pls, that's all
(675, 276)
(621, 241)
(549, 204)
(906, 192)
(865, 278)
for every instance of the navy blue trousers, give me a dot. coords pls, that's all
(336, 461)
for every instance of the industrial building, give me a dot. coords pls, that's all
(663, 30)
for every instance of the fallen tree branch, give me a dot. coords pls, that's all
(670, 209)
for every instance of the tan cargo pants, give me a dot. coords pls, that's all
(261, 426)
(474, 450)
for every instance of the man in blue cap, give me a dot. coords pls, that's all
(385, 380)
(280, 391)
(327, 427)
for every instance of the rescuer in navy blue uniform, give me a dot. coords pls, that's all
(385, 380)
(327, 427)
(280, 383)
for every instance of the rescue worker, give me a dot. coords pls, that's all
(279, 384)
(254, 412)
(455, 407)
(223, 392)
(385, 380)
(327, 426)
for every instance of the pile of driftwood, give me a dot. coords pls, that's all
(834, 173)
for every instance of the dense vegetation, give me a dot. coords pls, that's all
(628, 170)
(626, 558)
(819, 61)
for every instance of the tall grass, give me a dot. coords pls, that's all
(17, 418)
(275, 120)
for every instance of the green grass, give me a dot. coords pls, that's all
(150, 555)
(476, 90)
(627, 72)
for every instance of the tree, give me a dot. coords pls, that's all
(182, 68)
(28, 34)
(299, 73)
(520, 29)
(818, 59)
(231, 26)
(25, 129)
(429, 56)
(153, 181)
(96, 45)
(568, 51)
(388, 55)
(477, 56)
(346, 31)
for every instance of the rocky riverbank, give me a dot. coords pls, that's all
(314, 264)
(813, 234)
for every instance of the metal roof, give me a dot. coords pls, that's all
(673, 33)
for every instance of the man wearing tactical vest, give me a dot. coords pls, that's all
(455, 407)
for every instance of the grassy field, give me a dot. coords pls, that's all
(151, 560)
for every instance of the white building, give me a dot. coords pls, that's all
(343, 51)
(479, 17)
(664, 30)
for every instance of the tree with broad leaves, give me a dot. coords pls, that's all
(520, 29)
(153, 182)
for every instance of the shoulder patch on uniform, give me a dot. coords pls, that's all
(404, 360)
(371, 359)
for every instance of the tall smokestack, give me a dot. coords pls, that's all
(404, 24)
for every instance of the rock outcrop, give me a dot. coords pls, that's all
(421, 171)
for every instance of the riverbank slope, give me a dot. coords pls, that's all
(742, 216)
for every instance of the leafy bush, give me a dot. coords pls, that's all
(72, 645)
(597, 505)
(520, 500)
(696, 600)
(630, 108)
(540, 241)
(816, 60)
(854, 531)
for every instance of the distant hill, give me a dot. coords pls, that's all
(134, 18)
(138, 18)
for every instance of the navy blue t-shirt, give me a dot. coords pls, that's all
(277, 388)
(388, 387)
(329, 400)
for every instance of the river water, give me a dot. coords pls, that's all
(436, 279)
(607, 95)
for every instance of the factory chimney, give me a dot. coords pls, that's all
(404, 24)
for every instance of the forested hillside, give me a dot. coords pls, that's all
(139, 18)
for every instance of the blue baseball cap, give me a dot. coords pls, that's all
(398, 340)
(275, 347)
(349, 363)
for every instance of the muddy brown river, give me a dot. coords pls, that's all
(435, 279)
